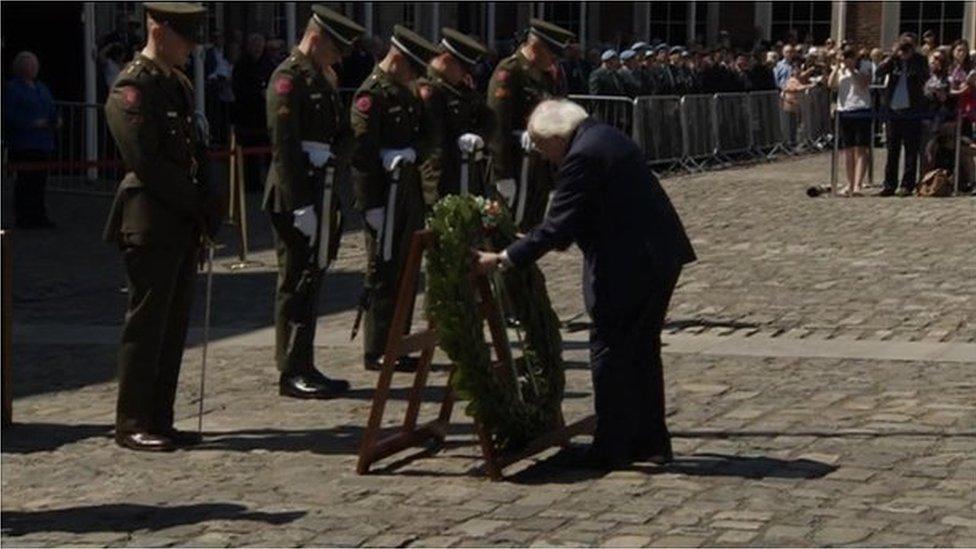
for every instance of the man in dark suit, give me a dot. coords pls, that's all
(610, 205)
(906, 71)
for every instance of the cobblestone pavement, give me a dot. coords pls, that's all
(784, 449)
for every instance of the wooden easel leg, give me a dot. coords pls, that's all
(417, 391)
(371, 448)
(370, 435)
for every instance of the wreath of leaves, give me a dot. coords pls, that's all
(519, 402)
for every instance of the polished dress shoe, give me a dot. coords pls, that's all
(183, 438)
(335, 385)
(887, 191)
(903, 192)
(305, 386)
(145, 442)
(404, 364)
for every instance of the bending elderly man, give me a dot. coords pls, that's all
(610, 205)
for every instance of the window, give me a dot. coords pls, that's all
(943, 18)
(279, 21)
(565, 14)
(669, 21)
(801, 21)
(701, 22)
(409, 15)
(470, 17)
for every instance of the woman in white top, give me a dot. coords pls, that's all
(852, 84)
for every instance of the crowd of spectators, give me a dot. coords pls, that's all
(919, 85)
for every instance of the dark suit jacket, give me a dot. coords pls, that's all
(916, 68)
(609, 204)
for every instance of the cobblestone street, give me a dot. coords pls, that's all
(819, 364)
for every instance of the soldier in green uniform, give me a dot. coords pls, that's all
(519, 83)
(157, 219)
(392, 138)
(453, 103)
(628, 74)
(310, 135)
(604, 79)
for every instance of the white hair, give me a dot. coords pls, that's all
(21, 60)
(555, 118)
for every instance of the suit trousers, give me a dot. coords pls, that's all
(907, 133)
(628, 374)
(160, 281)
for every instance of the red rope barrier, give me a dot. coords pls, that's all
(81, 165)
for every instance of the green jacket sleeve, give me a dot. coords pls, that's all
(502, 100)
(136, 117)
(369, 181)
(289, 167)
(434, 115)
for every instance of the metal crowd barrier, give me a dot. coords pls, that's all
(657, 127)
(768, 136)
(815, 118)
(614, 110)
(732, 125)
(695, 131)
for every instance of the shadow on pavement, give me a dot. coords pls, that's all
(430, 394)
(678, 324)
(28, 438)
(127, 517)
(339, 440)
(560, 469)
(45, 369)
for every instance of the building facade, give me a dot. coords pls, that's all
(618, 23)
(598, 24)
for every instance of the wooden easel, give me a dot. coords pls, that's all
(401, 343)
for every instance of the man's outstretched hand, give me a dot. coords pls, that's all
(486, 263)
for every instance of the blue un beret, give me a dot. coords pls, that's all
(608, 55)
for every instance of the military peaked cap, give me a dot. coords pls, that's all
(415, 47)
(554, 36)
(343, 31)
(184, 18)
(464, 48)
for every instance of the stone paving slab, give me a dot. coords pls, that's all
(817, 385)
(755, 346)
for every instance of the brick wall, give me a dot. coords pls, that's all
(864, 23)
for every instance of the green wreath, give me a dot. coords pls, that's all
(517, 404)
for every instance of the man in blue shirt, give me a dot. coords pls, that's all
(29, 121)
(906, 71)
(785, 66)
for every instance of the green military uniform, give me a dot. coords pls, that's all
(515, 88)
(304, 116)
(604, 81)
(388, 122)
(458, 109)
(159, 212)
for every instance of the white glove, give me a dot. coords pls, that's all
(526, 141)
(305, 221)
(318, 153)
(393, 158)
(470, 142)
(506, 188)
(374, 218)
